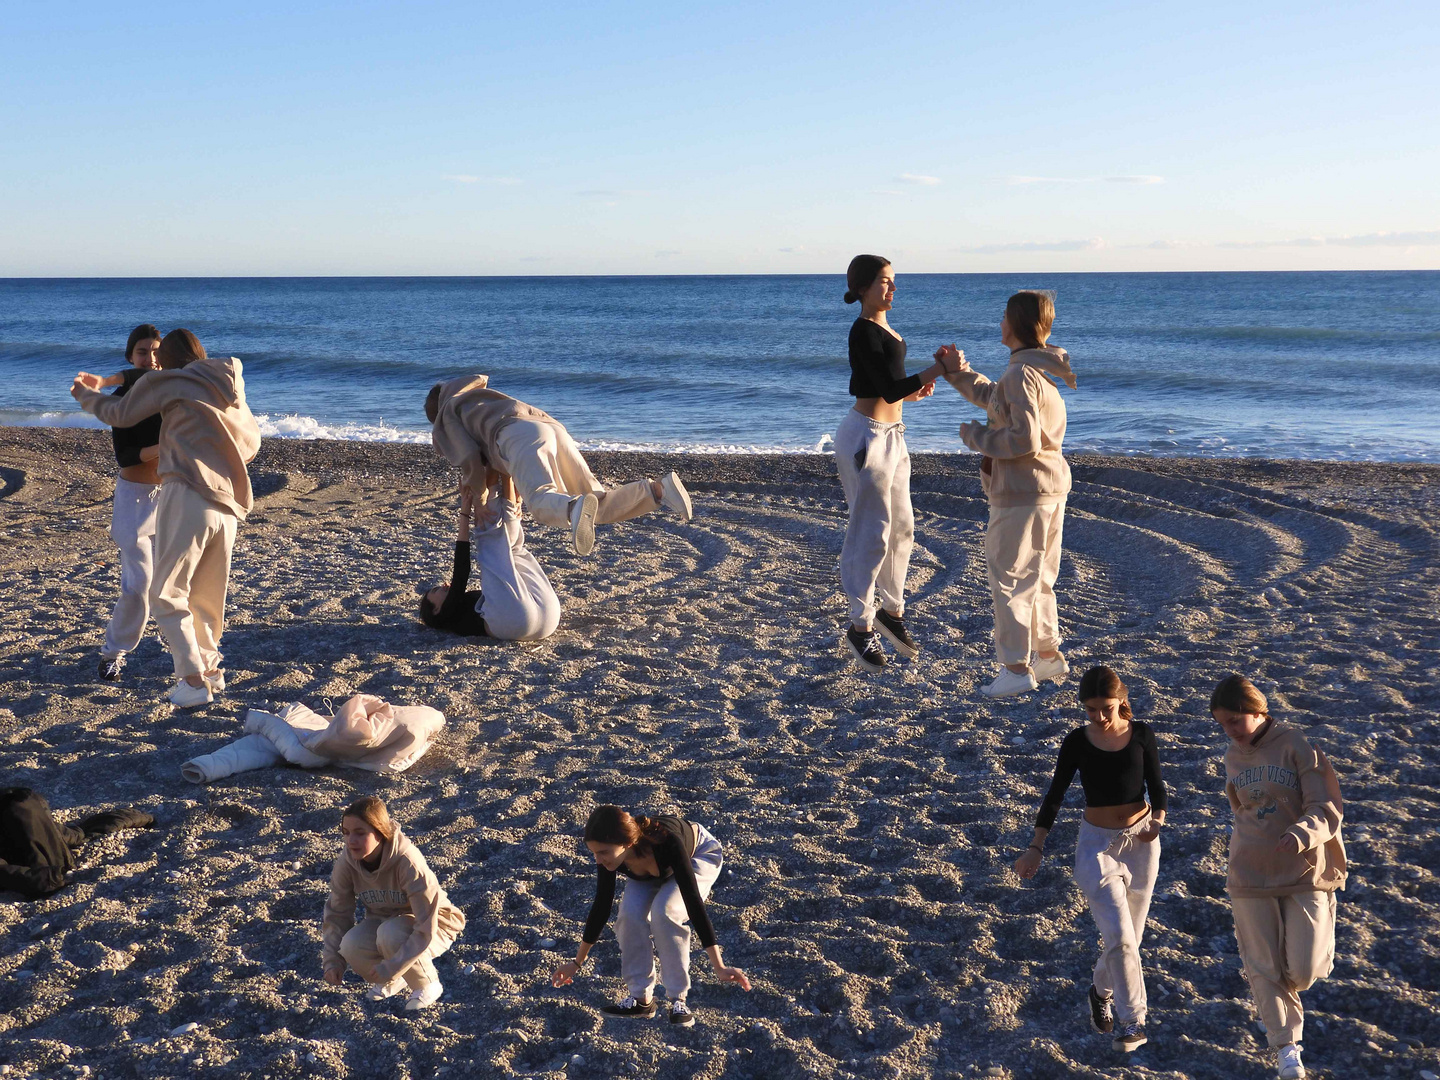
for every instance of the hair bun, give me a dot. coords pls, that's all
(850, 297)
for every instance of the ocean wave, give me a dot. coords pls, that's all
(294, 426)
(76, 419)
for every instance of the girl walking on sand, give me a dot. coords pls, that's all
(1287, 860)
(672, 865)
(408, 918)
(1118, 851)
(132, 519)
(207, 436)
(1026, 479)
(874, 467)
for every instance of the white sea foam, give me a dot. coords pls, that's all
(294, 426)
(76, 419)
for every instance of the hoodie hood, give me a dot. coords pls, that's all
(222, 376)
(1051, 359)
(458, 386)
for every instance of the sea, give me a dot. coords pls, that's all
(1323, 366)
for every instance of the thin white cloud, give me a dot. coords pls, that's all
(1138, 179)
(1144, 179)
(1093, 244)
(667, 253)
(792, 250)
(1386, 239)
(918, 178)
(470, 178)
(610, 193)
(1044, 180)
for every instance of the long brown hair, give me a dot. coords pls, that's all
(612, 825)
(371, 809)
(1101, 682)
(178, 348)
(1030, 314)
(1239, 695)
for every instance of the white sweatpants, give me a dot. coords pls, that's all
(1022, 557)
(517, 601)
(874, 467)
(549, 472)
(654, 912)
(132, 527)
(193, 540)
(1287, 943)
(1116, 872)
(374, 939)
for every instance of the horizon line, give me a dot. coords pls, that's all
(788, 274)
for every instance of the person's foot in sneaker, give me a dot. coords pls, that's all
(1055, 669)
(673, 496)
(1291, 1067)
(187, 697)
(1009, 683)
(426, 996)
(680, 1014)
(632, 1007)
(864, 645)
(381, 991)
(893, 629)
(582, 523)
(215, 680)
(1102, 1012)
(1131, 1038)
(112, 668)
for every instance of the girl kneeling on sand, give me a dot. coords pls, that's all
(672, 865)
(1026, 479)
(1118, 850)
(1286, 860)
(408, 918)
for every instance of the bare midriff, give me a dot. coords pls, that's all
(1116, 817)
(147, 472)
(879, 410)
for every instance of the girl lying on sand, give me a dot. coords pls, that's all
(672, 865)
(1026, 479)
(515, 600)
(1118, 851)
(1287, 860)
(408, 918)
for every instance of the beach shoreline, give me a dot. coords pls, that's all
(869, 822)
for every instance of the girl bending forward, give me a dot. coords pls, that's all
(672, 865)
(408, 918)
(1286, 860)
(1119, 848)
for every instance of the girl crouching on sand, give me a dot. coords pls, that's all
(408, 918)
(1287, 860)
(672, 865)
(1118, 851)
(1026, 479)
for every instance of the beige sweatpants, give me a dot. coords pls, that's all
(1022, 556)
(549, 472)
(193, 540)
(374, 939)
(1287, 943)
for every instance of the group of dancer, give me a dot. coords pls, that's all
(184, 434)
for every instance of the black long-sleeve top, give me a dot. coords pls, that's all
(877, 364)
(672, 855)
(460, 613)
(129, 441)
(1110, 777)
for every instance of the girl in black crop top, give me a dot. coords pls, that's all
(874, 467)
(672, 864)
(1118, 850)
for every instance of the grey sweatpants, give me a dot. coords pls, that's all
(874, 467)
(1116, 872)
(132, 527)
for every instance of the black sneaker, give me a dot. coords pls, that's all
(1130, 1039)
(865, 645)
(680, 1014)
(893, 627)
(1102, 1013)
(111, 670)
(632, 1007)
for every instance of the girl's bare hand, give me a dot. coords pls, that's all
(733, 975)
(1026, 865)
(333, 977)
(565, 974)
(1149, 833)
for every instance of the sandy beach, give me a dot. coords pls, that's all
(869, 822)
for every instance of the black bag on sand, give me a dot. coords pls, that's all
(35, 849)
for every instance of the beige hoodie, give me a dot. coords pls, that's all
(403, 884)
(1025, 427)
(469, 418)
(1283, 786)
(207, 434)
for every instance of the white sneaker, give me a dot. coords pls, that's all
(675, 497)
(430, 993)
(216, 682)
(1008, 683)
(1291, 1067)
(381, 991)
(1055, 670)
(582, 523)
(187, 696)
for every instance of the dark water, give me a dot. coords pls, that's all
(1305, 365)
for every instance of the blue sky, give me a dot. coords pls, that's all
(449, 138)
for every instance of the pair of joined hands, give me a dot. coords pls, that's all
(484, 512)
